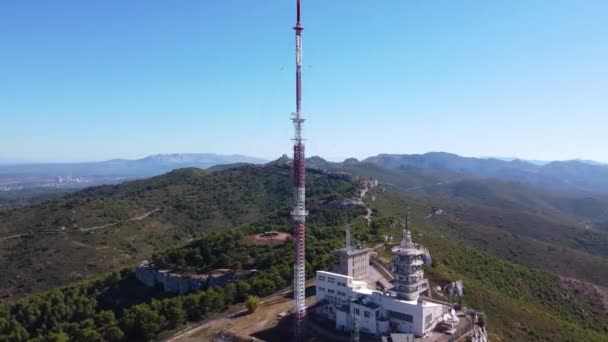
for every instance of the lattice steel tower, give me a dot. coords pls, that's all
(299, 209)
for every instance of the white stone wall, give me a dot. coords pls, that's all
(360, 265)
(145, 275)
(177, 283)
(329, 287)
(366, 324)
(354, 263)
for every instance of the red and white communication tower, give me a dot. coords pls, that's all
(299, 212)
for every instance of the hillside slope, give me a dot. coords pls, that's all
(576, 222)
(522, 303)
(104, 228)
(558, 232)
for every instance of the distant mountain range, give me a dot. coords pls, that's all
(573, 175)
(567, 176)
(148, 166)
(111, 171)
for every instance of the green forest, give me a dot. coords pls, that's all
(96, 230)
(117, 308)
(79, 313)
(504, 290)
(521, 303)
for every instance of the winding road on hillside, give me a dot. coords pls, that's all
(427, 186)
(132, 219)
(63, 230)
(368, 215)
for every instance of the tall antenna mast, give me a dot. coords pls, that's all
(299, 210)
(407, 234)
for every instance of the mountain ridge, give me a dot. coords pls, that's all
(571, 175)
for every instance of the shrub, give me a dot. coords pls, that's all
(252, 303)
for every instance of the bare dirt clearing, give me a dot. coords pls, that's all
(242, 324)
(275, 238)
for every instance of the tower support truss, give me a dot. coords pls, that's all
(299, 206)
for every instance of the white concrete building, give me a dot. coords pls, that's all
(342, 297)
(352, 261)
(379, 313)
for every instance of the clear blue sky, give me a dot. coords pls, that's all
(92, 80)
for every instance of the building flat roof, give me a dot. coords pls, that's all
(331, 274)
(365, 291)
(430, 304)
(410, 302)
(407, 250)
(352, 250)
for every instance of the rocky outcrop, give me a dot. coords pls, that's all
(454, 289)
(595, 294)
(173, 282)
(428, 260)
(341, 175)
(370, 183)
(346, 204)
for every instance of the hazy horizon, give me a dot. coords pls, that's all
(8, 161)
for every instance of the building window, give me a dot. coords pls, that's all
(321, 289)
(330, 291)
(331, 280)
(357, 312)
(322, 278)
(366, 314)
(401, 316)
